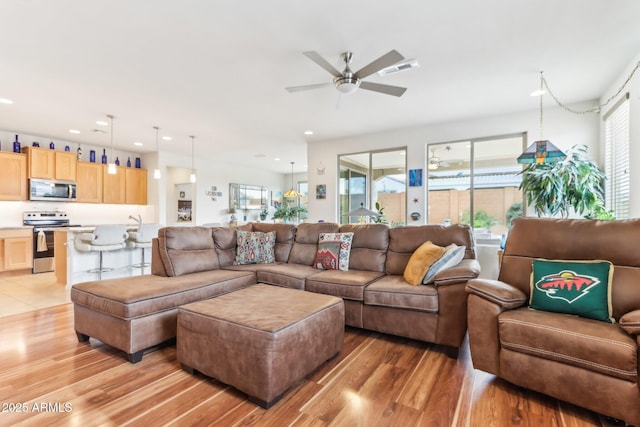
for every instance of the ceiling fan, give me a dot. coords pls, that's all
(347, 81)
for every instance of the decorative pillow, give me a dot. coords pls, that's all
(333, 252)
(255, 247)
(452, 256)
(420, 261)
(582, 288)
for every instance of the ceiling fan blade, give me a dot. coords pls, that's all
(384, 61)
(315, 57)
(308, 87)
(386, 89)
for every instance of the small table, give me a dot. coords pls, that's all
(261, 339)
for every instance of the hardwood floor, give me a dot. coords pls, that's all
(377, 380)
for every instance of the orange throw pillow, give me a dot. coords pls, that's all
(420, 261)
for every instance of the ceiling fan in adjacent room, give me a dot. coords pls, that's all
(347, 81)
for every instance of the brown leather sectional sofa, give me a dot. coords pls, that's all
(590, 363)
(194, 263)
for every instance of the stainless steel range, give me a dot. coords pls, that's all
(44, 223)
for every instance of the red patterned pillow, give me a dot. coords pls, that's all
(333, 252)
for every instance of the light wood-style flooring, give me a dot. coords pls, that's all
(22, 293)
(377, 380)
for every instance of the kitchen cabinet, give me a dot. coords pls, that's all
(113, 186)
(50, 164)
(89, 180)
(13, 176)
(135, 186)
(16, 249)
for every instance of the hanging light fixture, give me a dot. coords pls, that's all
(541, 151)
(156, 171)
(192, 178)
(292, 193)
(111, 169)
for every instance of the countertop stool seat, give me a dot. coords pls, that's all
(141, 238)
(104, 238)
(261, 339)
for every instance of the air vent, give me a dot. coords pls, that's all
(400, 66)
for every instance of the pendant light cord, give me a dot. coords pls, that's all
(541, 95)
(597, 108)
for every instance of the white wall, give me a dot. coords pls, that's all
(634, 128)
(564, 129)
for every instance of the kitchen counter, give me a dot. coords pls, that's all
(72, 265)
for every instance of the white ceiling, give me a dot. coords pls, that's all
(218, 69)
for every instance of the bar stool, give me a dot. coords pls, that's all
(141, 238)
(103, 238)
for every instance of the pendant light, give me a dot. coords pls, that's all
(156, 171)
(111, 169)
(292, 193)
(541, 151)
(192, 178)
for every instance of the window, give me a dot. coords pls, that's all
(374, 177)
(475, 182)
(617, 186)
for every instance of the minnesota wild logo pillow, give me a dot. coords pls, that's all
(582, 288)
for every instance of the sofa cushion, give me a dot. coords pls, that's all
(586, 343)
(346, 284)
(185, 250)
(305, 245)
(139, 296)
(287, 275)
(333, 251)
(369, 246)
(255, 247)
(452, 256)
(394, 291)
(421, 259)
(573, 287)
(285, 234)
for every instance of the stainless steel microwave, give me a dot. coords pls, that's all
(50, 190)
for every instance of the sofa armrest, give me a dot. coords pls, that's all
(466, 270)
(630, 322)
(500, 293)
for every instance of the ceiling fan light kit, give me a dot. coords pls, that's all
(348, 82)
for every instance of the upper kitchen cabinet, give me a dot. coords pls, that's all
(13, 176)
(89, 179)
(50, 164)
(113, 185)
(135, 186)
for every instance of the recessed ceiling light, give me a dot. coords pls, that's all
(538, 92)
(98, 131)
(138, 143)
(166, 138)
(308, 132)
(101, 123)
(6, 101)
(259, 156)
(276, 159)
(74, 131)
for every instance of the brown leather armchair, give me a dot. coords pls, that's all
(586, 362)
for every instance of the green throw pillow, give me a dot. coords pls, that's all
(581, 288)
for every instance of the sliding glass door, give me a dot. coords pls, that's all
(373, 177)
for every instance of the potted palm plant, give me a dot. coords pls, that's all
(573, 183)
(290, 214)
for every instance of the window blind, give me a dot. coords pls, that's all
(617, 185)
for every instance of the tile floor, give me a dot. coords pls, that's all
(28, 292)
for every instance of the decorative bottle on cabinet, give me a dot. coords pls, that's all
(104, 156)
(52, 145)
(138, 162)
(117, 162)
(79, 151)
(16, 145)
(92, 156)
(128, 162)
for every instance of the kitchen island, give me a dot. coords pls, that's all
(72, 266)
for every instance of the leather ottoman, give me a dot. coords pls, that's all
(261, 339)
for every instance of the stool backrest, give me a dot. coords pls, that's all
(109, 234)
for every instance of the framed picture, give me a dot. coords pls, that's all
(182, 195)
(415, 177)
(321, 191)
